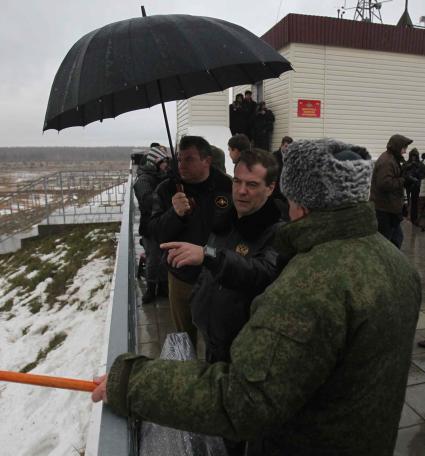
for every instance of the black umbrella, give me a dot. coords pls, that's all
(140, 62)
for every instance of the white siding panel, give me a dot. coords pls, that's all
(277, 94)
(209, 109)
(371, 95)
(366, 96)
(308, 84)
(182, 107)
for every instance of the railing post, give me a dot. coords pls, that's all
(63, 202)
(45, 199)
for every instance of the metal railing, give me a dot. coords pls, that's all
(116, 436)
(62, 197)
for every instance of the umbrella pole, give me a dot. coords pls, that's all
(167, 126)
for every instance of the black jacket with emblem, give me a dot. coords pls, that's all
(245, 264)
(212, 203)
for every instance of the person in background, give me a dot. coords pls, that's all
(413, 171)
(249, 107)
(262, 126)
(321, 366)
(279, 153)
(237, 116)
(387, 189)
(188, 215)
(281, 201)
(236, 145)
(152, 173)
(218, 159)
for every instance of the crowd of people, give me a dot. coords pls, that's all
(252, 119)
(292, 273)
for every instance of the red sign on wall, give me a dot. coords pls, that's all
(308, 108)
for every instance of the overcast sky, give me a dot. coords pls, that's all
(36, 35)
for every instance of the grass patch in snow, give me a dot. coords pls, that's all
(7, 306)
(76, 246)
(42, 354)
(35, 305)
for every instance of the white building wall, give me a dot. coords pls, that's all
(182, 107)
(366, 96)
(277, 95)
(209, 109)
(371, 95)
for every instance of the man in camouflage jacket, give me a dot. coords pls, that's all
(321, 366)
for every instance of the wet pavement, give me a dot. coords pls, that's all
(411, 435)
(155, 323)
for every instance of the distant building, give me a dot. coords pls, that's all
(356, 81)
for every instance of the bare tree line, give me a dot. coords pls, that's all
(65, 154)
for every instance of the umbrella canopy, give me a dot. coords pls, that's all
(140, 62)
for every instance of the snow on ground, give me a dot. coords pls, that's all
(37, 421)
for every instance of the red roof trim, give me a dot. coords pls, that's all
(298, 28)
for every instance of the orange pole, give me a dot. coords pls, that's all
(46, 380)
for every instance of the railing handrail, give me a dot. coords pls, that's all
(115, 437)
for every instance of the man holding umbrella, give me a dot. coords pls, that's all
(189, 215)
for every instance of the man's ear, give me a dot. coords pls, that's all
(209, 160)
(270, 188)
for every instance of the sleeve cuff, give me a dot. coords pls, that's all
(214, 264)
(117, 384)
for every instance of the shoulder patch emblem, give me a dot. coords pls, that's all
(221, 201)
(242, 249)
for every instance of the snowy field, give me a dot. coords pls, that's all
(54, 295)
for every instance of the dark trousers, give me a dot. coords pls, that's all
(179, 294)
(389, 226)
(413, 198)
(156, 270)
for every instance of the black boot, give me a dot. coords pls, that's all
(163, 289)
(149, 294)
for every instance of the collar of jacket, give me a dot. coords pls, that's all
(323, 226)
(251, 226)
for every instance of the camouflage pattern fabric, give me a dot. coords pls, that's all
(321, 366)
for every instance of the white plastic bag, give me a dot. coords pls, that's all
(158, 440)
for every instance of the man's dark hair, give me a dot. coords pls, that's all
(248, 91)
(154, 145)
(240, 142)
(287, 140)
(200, 143)
(261, 157)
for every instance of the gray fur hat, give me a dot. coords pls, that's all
(325, 173)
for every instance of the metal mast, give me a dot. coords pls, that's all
(368, 11)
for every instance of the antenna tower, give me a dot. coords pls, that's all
(366, 10)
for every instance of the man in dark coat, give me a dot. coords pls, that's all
(237, 116)
(387, 189)
(189, 215)
(262, 126)
(322, 364)
(238, 260)
(281, 201)
(413, 171)
(249, 107)
(150, 175)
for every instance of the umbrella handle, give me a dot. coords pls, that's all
(192, 202)
(48, 381)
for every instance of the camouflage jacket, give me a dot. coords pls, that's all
(321, 366)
